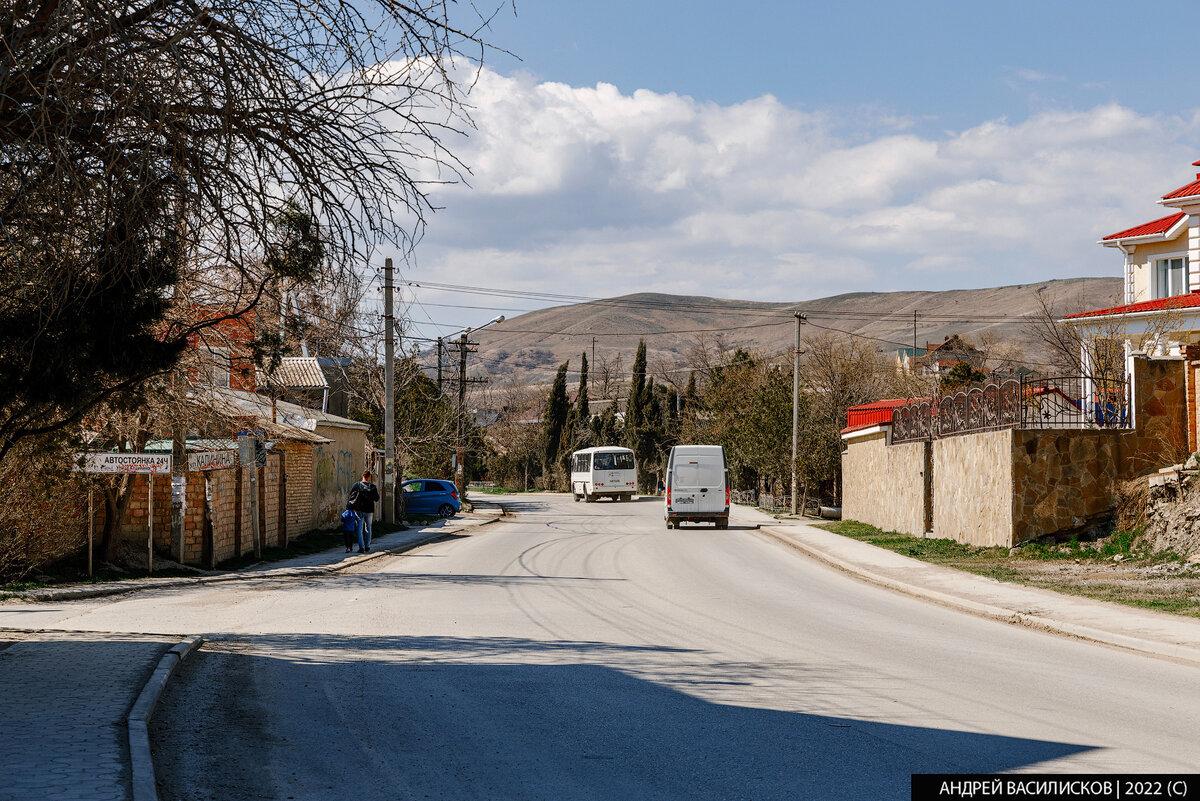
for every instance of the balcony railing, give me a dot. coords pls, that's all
(1058, 402)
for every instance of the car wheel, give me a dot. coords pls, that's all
(446, 511)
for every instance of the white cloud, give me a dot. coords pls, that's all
(586, 190)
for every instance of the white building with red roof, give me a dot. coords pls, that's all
(1162, 272)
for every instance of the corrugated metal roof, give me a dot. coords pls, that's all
(297, 372)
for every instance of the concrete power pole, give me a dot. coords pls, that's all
(796, 409)
(389, 398)
(460, 452)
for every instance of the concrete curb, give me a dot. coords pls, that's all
(139, 585)
(1162, 650)
(141, 760)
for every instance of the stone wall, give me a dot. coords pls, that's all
(973, 489)
(1160, 435)
(1062, 480)
(884, 485)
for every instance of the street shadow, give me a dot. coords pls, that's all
(457, 718)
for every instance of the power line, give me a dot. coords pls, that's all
(749, 307)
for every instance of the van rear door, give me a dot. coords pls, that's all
(698, 483)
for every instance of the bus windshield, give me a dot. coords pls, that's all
(613, 461)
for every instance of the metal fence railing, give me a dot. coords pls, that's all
(1035, 402)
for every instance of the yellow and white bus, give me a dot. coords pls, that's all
(604, 472)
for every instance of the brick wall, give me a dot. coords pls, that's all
(300, 487)
(223, 486)
(269, 501)
(133, 526)
(193, 519)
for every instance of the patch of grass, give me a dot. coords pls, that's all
(1089, 570)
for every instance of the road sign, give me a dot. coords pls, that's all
(107, 462)
(212, 460)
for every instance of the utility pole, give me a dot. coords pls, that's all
(460, 452)
(439, 358)
(914, 353)
(800, 320)
(593, 352)
(389, 397)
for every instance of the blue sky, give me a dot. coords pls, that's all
(789, 151)
(945, 64)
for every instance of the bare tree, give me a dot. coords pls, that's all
(148, 149)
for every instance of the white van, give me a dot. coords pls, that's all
(605, 472)
(697, 486)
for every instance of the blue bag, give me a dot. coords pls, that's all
(349, 521)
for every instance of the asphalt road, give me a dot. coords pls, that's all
(582, 651)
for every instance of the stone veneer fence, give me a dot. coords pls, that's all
(1017, 481)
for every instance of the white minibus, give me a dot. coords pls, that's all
(605, 472)
(697, 486)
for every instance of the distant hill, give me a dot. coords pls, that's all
(531, 345)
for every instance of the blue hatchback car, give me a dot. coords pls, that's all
(431, 497)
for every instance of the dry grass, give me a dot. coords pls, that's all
(1117, 568)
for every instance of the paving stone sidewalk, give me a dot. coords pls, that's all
(334, 558)
(62, 717)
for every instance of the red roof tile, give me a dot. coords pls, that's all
(1159, 226)
(1190, 301)
(869, 415)
(1184, 191)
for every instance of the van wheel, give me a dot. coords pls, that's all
(671, 525)
(723, 523)
(588, 498)
(576, 496)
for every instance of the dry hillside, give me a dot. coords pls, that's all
(532, 344)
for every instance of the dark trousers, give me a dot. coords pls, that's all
(349, 538)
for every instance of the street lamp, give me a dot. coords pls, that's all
(460, 472)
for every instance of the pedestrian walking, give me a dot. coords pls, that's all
(361, 500)
(349, 527)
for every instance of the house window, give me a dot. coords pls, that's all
(1170, 277)
(218, 365)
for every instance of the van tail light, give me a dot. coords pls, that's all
(727, 493)
(668, 495)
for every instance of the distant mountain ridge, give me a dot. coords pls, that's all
(531, 345)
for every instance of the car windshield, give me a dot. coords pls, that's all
(614, 461)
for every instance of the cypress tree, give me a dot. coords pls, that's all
(582, 412)
(635, 407)
(558, 407)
